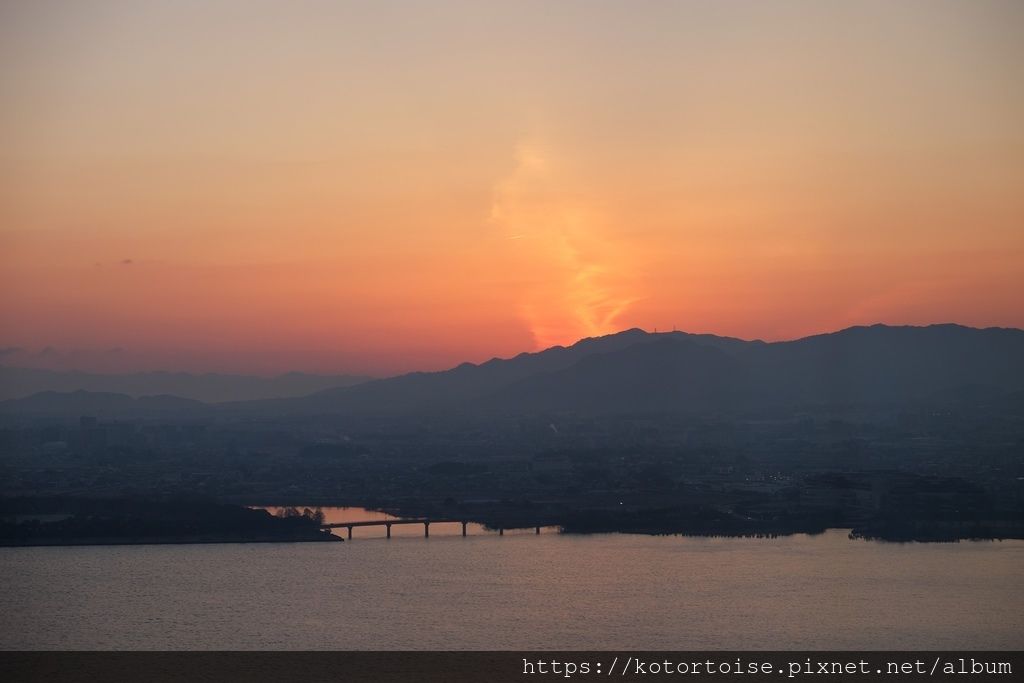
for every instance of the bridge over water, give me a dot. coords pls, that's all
(388, 523)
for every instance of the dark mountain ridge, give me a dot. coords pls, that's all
(637, 371)
(883, 363)
(676, 371)
(468, 382)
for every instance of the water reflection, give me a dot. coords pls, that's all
(554, 591)
(337, 515)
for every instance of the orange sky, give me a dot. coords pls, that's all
(380, 187)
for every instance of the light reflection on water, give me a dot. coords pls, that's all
(553, 591)
(336, 515)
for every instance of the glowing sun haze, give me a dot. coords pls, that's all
(380, 187)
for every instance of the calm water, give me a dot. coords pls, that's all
(518, 591)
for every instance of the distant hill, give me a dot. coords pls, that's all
(638, 371)
(670, 372)
(16, 382)
(75, 404)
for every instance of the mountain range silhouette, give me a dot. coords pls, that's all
(636, 371)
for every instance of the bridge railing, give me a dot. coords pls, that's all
(388, 523)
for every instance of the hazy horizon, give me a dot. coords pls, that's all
(120, 361)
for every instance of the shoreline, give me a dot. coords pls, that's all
(98, 541)
(332, 538)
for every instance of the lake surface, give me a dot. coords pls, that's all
(519, 591)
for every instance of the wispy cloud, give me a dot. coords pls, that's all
(574, 276)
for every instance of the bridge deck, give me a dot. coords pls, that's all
(386, 522)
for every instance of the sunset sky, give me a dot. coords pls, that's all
(378, 187)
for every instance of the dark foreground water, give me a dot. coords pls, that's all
(519, 591)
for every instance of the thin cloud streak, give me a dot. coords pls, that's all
(577, 285)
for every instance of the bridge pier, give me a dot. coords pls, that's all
(387, 523)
